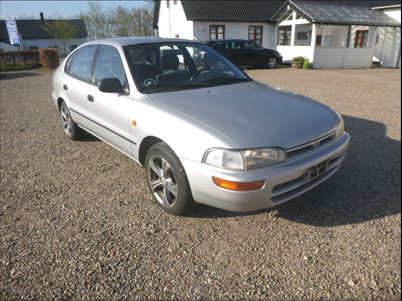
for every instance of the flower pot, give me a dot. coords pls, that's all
(297, 64)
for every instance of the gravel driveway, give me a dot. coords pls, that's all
(77, 221)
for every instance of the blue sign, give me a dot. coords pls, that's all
(12, 32)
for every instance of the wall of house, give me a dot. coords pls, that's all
(51, 43)
(7, 47)
(387, 42)
(173, 22)
(289, 52)
(236, 30)
(387, 46)
(329, 57)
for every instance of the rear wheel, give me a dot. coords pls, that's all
(71, 129)
(167, 180)
(272, 63)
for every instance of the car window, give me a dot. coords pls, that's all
(249, 45)
(79, 64)
(169, 66)
(109, 64)
(233, 45)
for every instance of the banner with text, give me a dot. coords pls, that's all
(12, 32)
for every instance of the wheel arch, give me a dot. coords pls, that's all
(59, 101)
(145, 145)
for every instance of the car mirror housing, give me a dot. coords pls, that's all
(110, 85)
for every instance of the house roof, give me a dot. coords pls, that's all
(33, 29)
(226, 11)
(265, 11)
(348, 12)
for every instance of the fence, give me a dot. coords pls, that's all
(28, 59)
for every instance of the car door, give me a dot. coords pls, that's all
(111, 110)
(252, 56)
(235, 52)
(77, 82)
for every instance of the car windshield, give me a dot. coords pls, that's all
(178, 66)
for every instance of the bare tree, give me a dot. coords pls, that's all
(61, 30)
(142, 18)
(123, 19)
(99, 22)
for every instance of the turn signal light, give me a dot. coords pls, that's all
(238, 186)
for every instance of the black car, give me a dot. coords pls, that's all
(247, 53)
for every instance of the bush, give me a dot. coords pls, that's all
(49, 58)
(19, 60)
(307, 64)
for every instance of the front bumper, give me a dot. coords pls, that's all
(282, 182)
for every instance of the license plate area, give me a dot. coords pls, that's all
(317, 170)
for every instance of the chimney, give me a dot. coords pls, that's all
(41, 17)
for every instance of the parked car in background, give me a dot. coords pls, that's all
(203, 130)
(247, 53)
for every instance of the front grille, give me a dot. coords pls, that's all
(307, 147)
(309, 179)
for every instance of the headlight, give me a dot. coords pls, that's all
(244, 159)
(340, 129)
(257, 158)
(224, 158)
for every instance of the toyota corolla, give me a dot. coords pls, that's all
(204, 131)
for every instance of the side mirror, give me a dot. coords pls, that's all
(110, 85)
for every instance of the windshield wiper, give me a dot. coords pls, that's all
(225, 80)
(173, 87)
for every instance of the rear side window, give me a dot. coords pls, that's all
(109, 64)
(79, 64)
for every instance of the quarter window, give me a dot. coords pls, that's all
(216, 32)
(109, 64)
(79, 64)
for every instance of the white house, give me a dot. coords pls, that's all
(331, 34)
(210, 20)
(34, 36)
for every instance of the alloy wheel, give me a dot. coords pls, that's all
(272, 62)
(162, 181)
(66, 118)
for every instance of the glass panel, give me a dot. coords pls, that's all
(81, 63)
(109, 64)
(181, 66)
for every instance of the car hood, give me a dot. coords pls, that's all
(253, 115)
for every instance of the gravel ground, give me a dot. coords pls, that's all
(77, 222)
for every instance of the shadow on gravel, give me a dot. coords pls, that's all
(367, 187)
(14, 75)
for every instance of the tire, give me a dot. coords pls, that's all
(70, 128)
(272, 63)
(167, 180)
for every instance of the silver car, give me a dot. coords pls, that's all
(204, 131)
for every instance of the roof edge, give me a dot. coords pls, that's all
(386, 6)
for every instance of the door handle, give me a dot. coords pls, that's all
(65, 87)
(90, 98)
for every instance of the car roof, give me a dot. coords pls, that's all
(135, 41)
(227, 40)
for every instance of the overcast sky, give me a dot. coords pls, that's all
(66, 9)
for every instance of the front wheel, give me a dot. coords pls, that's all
(272, 63)
(70, 128)
(167, 180)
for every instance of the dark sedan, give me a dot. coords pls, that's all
(247, 53)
